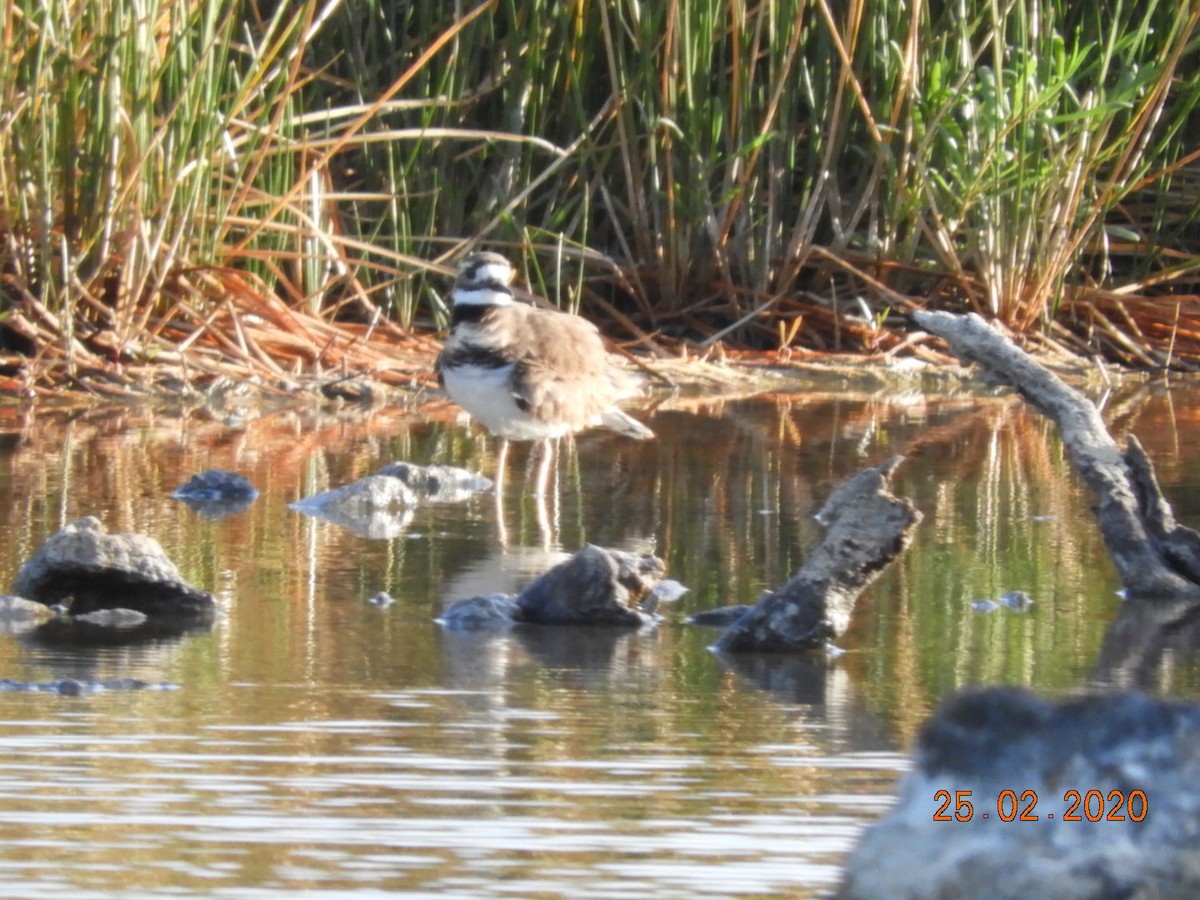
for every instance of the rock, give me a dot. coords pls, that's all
(381, 505)
(217, 493)
(375, 507)
(74, 687)
(488, 612)
(722, 617)
(1017, 601)
(18, 615)
(1093, 797)
(360, 497)
(437, 484)
(594, 587)
(666, 590)
(113, 618)
(216, 484)
(354, 391)
(100, 571)
(18, 609)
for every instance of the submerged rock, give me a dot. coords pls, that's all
(374, 507)
(374, 492)
(74, 687)
(88, 569)
(722, 617)
(18, 609)
(437, 484)
(595, 586)
(381, 505)
(216, 484)
(487, 612)
(217, 493)
(19, 615)
(666, 590)
(113, 618)
(1017, 601)
(1015, 796)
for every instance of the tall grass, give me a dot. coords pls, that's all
(693, 167)
(128, 145)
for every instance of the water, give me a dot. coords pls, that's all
(316, 743)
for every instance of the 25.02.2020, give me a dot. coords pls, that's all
(1090, 806)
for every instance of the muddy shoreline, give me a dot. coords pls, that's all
(411, 386)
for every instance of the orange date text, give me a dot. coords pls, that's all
(1023, 806)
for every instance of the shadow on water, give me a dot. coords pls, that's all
(320, 743)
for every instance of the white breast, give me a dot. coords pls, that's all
(486, 393)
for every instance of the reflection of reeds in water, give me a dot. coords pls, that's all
(725, 495)
(1004, 512)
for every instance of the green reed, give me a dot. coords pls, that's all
(708, 157)
(126, 147)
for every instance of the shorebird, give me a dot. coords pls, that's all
(527, 373)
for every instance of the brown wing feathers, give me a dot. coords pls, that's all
(562, 372)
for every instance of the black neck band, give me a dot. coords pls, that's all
(469, 312)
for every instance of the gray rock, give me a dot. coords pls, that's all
(216, 484)
(217, 493)
(1017, 601)
(1020, 761)
(96, 570)
(113, 618)
(484, 613)
(721, 617)
(381, 505)
(359, 498)
(74, 687)
(396, 485)
(438, 484)
(18, 609)
(594, 587)
(18, 615)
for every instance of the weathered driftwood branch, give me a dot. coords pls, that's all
(1154, 556)
(867, 527)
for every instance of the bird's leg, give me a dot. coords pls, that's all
(549, 446)
(543, 475)
(501, 459)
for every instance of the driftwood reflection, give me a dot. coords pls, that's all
(1145, 641)
(1157, 558)
(805, 678)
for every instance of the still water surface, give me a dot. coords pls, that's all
(316, 743)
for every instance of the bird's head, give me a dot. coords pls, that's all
(485, 267)
(483, 280)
